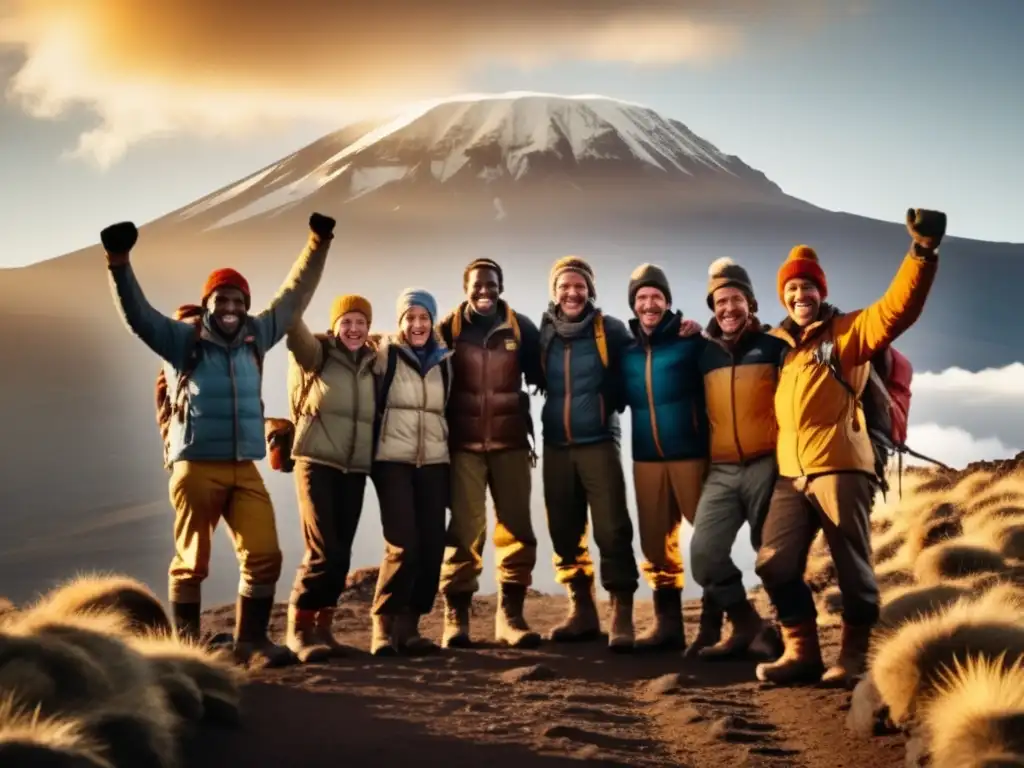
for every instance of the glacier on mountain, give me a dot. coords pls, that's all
(487, 137)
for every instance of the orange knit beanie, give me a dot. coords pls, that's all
(802, 262)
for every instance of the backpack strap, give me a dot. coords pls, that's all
(191, 363)
(456, 325)
(446, 378)
(513, 321)
(384, 383)
(601, 338)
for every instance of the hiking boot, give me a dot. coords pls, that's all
(510, 627)
(853, 657)
(710, 631)
(582, 623)
(746, 632)
(407, 637)
(456, 620)
(253, 647)
(620, 609)
(186, 619)
(666, 634)
(800, 662)
(381, 638)
(324, 635)
(302, 637)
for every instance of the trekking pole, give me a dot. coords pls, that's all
(915, 454)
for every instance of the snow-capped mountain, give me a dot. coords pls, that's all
(488, 147)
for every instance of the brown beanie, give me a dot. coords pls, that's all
(350, 303)
(802, 262)
(648, 276)
(726, 272)
(574, 264)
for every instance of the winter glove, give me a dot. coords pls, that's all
(118, 239)
(926, 227)
(322, 226)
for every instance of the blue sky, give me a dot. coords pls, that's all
(905, 103)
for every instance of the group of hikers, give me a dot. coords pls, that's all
(734, 423)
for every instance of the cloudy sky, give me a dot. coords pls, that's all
(130, 108)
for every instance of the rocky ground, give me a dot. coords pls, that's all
(556, 705)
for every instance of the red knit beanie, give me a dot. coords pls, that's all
(226, 278)
(802, 262)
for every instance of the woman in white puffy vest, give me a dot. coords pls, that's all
(411, 474)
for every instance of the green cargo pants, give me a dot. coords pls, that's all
(576, 478)
(508, 475)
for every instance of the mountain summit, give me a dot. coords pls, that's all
(490, 148)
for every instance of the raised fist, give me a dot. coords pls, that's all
(323, 226)
(118, 239)
(926, 227)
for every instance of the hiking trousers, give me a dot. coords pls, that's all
(204, 492)
(733, 494)
(577, 478)
(330, 504)
(667, 492)
(508, 475)
(840, 504)
(413, 506)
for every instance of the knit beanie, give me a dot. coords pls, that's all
(416, 297)
(350, 303)
(226, 278)
(802, 262)
(577, 265)
(648, 276)
(725, 272)
(484, 264)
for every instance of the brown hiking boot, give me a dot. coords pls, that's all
(853, 657)
(407, 638)
(510, 627)
(800, 661)
(324, 635)
(253, 648)
(302, 636)
(582, 623)
(710, 631)
(620, 635)
(667, 632)
(456, 620)
(381, 639)
(746, 632)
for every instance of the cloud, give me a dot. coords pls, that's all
(954, 446)
(217, 67)
(989, 402)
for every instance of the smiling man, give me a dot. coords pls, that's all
(495, 349)
(216, 430)
(740, 366)
(665, 392)
(581, 352)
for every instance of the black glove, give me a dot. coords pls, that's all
(926, 227)
(322, 226)
(120, 238)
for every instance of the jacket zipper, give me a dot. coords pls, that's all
(567, 417)
(421, 441)
(735, 422)
(234, 401)
(649, 382)
(796, 429)
(355, 415)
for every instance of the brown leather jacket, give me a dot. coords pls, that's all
(486, 411)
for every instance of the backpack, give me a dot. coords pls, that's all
(167, 409)
(886, 404)
(510, 318)
(599, 336)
